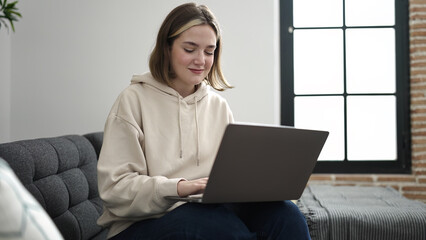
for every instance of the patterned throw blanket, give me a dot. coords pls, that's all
(349, 212)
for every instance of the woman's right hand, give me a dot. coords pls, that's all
(197, 186)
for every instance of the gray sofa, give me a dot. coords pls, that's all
(60, 172)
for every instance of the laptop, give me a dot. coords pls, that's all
(261, 163)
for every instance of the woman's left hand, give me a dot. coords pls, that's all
(197, 186)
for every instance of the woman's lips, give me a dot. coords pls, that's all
(196, 71)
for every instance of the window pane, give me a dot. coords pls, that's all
(318, 61)
(371, 127)
(314, 13)
(323, 113)
(370, 12)
(370, 60)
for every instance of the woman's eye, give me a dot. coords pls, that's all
(209, 53)
(188, 50)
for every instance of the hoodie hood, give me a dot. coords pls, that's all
(198, 95)
(147, 78)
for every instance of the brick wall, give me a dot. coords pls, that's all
(412, 185)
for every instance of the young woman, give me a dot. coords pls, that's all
(161, 138)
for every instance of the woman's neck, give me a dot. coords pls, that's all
(184, 91)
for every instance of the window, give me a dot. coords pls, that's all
(345, 69)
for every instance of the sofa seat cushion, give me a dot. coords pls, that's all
(61, 174)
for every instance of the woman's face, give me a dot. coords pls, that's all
(192, 56)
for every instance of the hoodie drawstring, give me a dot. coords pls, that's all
(180, 129)
(197, 126)
(198, 131)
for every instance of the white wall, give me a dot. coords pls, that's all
(70, 60)
(5, 59)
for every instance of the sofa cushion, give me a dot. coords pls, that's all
(61, 174)
(96, 139)
(22, 217)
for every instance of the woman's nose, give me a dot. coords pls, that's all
(199, 58)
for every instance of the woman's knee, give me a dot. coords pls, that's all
(292, 209)
(288, 212)
(289, 222)
(273, 219)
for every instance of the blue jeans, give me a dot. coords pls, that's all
(272, 220)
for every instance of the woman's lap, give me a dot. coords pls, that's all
(223, 221)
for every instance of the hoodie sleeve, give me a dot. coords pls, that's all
(230, 115)
(124, 185)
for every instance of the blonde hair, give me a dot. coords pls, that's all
(178, 21)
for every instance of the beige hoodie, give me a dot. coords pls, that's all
(153, 138)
